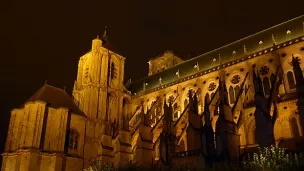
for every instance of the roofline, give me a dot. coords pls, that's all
(194, 58)
(215, 68)
(252, 35)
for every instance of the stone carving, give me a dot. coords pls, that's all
(236, 79)
(212, 86)
(264, 70)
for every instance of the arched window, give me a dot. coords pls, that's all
(294, 127)
(266, 86)
(231, 95)
(73, 139)
(207, 97)
(291, 80)
(237, 90)
(272, 79)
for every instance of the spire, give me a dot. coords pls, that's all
(105, 41)
(45, 82)
(165, 102)
(258, 87)
(297, 70)
(96, 43)
(104, 36)
(288, 33)
(245, 49)
(273, 39)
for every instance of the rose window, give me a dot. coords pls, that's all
(236, 79)
(212, 86)
(264, 70)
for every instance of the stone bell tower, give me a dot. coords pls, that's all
(99, 83)
(98, 91)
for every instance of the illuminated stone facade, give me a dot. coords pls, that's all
(184, 112)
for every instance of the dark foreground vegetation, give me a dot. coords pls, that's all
(266, 159)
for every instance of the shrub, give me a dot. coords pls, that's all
(101, 166)
(274, 159)
(269, 158)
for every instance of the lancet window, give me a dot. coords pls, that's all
(231, 95)
(291, 81)
(234, 89)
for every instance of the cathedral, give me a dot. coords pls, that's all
(217, 106)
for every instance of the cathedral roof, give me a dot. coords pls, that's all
(235, 51)
(55, 97)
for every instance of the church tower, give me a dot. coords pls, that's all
(98, 91)
(100, 81)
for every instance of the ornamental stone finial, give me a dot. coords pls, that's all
(273, 39)
(245, 49)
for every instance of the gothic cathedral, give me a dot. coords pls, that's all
(217, 106)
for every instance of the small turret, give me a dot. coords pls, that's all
(96, 43)
(297, 71)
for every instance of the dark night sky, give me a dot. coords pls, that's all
(43, 40)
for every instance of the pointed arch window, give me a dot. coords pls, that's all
(73, 139)
(294, 127)
(272, 79)
(266, 86)
(237, 90)
(231, 95)
(207, 97)
(291, 81)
